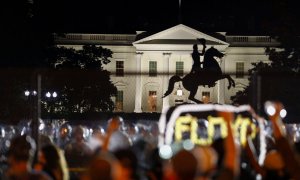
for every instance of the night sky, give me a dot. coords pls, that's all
(123, 16)
(213, 15)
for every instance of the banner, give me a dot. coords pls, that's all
(200, 124)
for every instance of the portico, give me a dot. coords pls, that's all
(166, 49)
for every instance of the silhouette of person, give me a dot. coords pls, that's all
(196, 55)
(20, 157)
(77, 152)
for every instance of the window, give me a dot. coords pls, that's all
(239, 73)
(119, 101)
(119, 68)
(152, 101)
(152, 68)
(205, 97)
(179, 68)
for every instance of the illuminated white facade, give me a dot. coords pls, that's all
(141, 67)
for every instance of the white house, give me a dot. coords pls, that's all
(142, 64)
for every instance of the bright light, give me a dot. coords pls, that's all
(26, 93)
(42, 126)
(2, 133)
(48, 94)
(283, 113)
(54, 95)
(188, 145)
(165, 152)
(179, 92)
(270, 108)
(23, 131)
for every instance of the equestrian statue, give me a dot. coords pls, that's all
(205, 76)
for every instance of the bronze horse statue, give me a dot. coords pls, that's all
(208, 75)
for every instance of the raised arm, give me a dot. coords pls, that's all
(231, 157)
(250, 151)
(282, 143)
(113, 126)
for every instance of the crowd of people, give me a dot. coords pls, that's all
(123, 151)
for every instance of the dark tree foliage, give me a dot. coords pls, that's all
(279, 79)
(80, 80)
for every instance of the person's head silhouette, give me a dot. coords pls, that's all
(202, 41)
(195, 46)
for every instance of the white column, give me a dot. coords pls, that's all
(138, 86)
(221, 84)
(166, 79)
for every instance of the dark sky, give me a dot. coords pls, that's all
(130, 15)
(135, 15)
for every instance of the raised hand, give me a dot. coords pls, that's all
(274, 110)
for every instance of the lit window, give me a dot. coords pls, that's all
(152, 68)
(152, 100)
(119, 68)
(179, 68)
(205, 97)
(239, 73)
(119, 101)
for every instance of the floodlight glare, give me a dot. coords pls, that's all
(165, 152)
(42, 126)
(270, 108)
(48, 94)
(54, 95)
(26, 93)
(283, 113)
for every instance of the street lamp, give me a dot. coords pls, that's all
(50, 96)
(28, 93)
(30, 96)
(54, 94)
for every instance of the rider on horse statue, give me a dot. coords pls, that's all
(210, 67)
(205, 76)
(196, 55)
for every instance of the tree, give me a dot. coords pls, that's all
(279, 79)
(79, 78)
